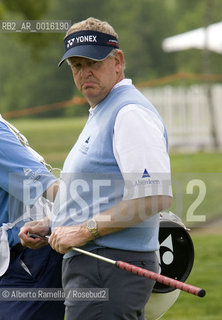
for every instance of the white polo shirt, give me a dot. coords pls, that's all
(140, 150)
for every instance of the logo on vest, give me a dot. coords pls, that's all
(87, 140)
(84, 147)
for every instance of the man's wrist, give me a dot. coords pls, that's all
(92, 226)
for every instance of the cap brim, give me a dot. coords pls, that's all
(87, 51)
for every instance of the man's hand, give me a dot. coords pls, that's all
(40, 227)
(64, 238)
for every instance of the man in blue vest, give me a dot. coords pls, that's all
(115, 181)
(23, 182)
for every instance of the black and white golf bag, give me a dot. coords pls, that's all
(176, 256)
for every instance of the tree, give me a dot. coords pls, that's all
(28, 62)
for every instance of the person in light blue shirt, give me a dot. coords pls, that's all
(115, 181)
(23, 182)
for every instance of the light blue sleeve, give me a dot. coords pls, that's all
(21, 175)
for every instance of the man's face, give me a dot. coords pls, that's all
(95, 79)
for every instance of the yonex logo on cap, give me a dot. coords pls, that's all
(81, 39)
(90, 37)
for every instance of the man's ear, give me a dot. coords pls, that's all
(119, 61)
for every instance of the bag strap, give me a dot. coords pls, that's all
(24, 141)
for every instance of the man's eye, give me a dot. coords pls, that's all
(92, 63)
(77, 65)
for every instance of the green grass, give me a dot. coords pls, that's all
(196, 162)
(206, 273)
(52, 138)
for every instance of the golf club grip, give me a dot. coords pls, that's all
(161, 279)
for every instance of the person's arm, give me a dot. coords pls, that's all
(129, 213)
(132, 212)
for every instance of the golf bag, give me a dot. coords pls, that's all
(176, 256)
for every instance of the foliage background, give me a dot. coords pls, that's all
(29, 75)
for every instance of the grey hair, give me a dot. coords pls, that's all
(93, 24)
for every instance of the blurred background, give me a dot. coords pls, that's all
(183, 81)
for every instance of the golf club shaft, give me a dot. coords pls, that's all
(143, 272)
(148, 274)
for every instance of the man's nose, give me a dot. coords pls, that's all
(86, 70)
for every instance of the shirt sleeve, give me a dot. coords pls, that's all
(22, 176)
(140, 150)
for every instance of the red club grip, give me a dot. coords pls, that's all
(161, 279)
